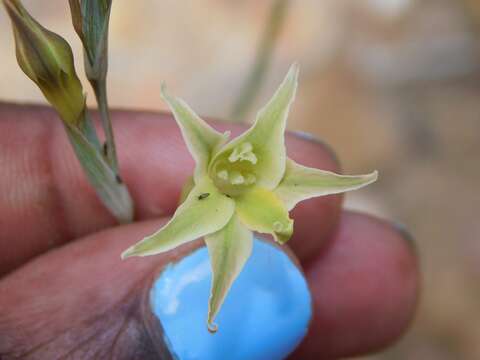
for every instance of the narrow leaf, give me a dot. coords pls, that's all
(261, 210)
(229, 249)
(203, 212)
(301, 183)
(201, 139)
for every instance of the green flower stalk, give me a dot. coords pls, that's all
(47, 59)
(241, 186)
(263, 58)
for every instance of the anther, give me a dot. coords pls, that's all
(243, 152)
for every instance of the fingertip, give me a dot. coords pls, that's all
(365, 287)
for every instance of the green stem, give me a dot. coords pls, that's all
(100, 89)
(262, 61)
(87, 128)
(109, 186)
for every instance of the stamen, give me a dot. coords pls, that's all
(250, 156)
(223, 174)
(243, 152)
(237, 178)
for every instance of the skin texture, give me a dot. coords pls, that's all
(65, 293)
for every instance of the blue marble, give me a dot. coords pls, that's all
(265, 316)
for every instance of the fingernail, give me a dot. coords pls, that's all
(406, 235)
(265, 316)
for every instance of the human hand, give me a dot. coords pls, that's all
(65, 293)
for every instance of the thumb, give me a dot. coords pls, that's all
(88, 303)
(84, 299)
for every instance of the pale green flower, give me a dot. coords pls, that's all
(245, 185)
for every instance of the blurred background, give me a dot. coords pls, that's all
(390, 84)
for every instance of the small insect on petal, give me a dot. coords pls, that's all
(203, 196)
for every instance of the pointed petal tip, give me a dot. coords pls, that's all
(295, 67)
(367, 179)
(211, 327)
(124, 255)
(294, 70)
(128, 253)
(373, 176)
(163, 90)
(282, 238)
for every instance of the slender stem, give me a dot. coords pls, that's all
(100, 89)
(262, 61)
(108, 185)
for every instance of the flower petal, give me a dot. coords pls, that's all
(229, 249)
(204, 211)
(201, 139)
(260, 151)
(186, 188)
(301, 183)
(261, 210)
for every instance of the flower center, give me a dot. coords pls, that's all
(236, 177)
(233, 173)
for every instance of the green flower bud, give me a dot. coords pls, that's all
(47, 59)
(90, 19)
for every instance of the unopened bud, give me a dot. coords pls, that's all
(47, 59)
(90, 19)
